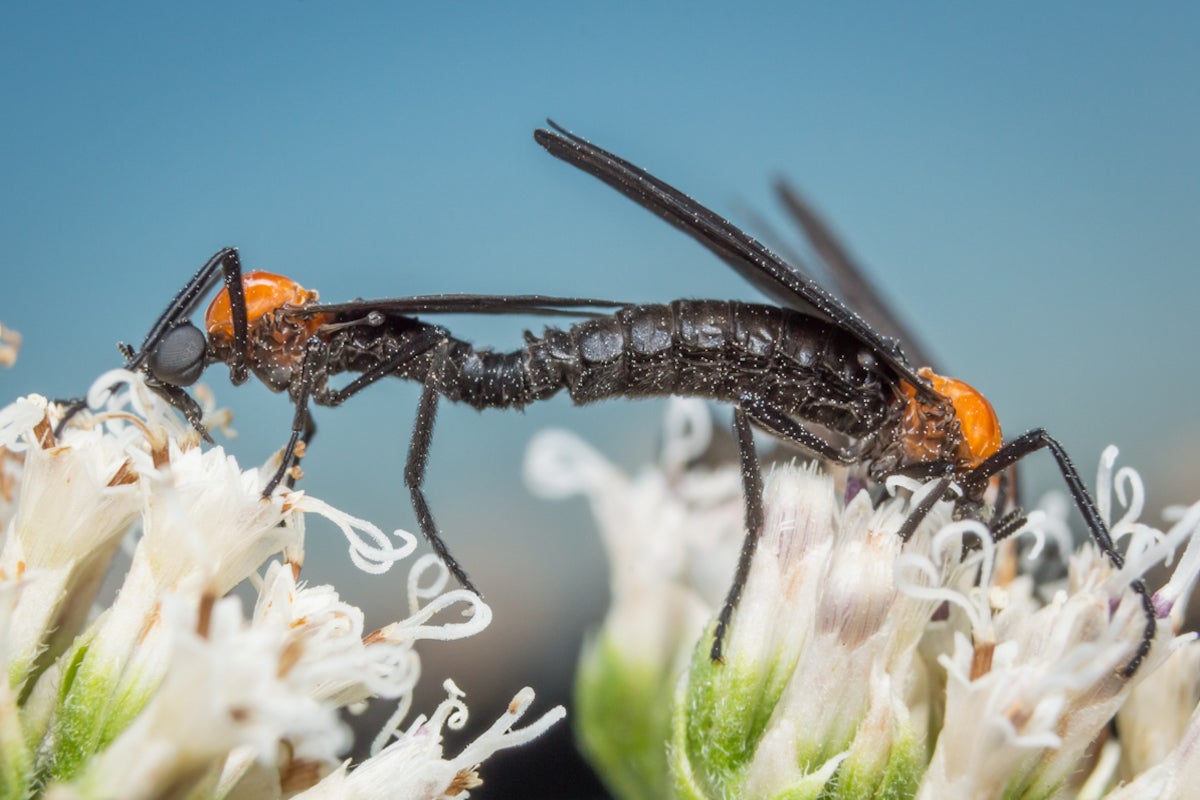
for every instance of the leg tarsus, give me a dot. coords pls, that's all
(301, 449)
(918, 514)
(752, 488)
(1148, 632)
(1007, 525)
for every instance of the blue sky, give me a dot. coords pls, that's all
(1022, 180)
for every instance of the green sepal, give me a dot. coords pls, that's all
(622, 719)
(721, 712)
(93, 709)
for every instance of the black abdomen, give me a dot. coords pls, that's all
(796, 363)
(719, 350)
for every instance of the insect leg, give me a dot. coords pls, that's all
(1006, 491)
(418, 449)
(414, 477)
(752, 488)
(1029, 443)
(174, 395)
(71, 407)
(419, 343)
(753, 408)
(918, 514)
(190, 409)
(314, 356)
(310, 431)
(782, 426)
(1007, 525)
(316, 353)
(1038, 439)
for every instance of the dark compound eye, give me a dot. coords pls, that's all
(179, 358)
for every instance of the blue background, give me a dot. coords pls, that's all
(1021, 180)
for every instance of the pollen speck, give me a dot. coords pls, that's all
(463, 781)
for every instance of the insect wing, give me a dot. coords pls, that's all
(851, 281)
(753, 261)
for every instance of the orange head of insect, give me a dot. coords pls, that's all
(925, 432)
(265, 293)
(276, 340)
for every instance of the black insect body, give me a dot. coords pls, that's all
(808, 371)
(934, 425)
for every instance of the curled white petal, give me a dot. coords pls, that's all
(502, 734)
(370, 549)
(1104, 483)
(1129, 482)
(932, 590)
(1183, 578)
(416, 592)
(478, 616)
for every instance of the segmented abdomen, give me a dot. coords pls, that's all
(719, 350)
(796, 363)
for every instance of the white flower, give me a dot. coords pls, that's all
(413, 767)
(1155, 719)
(821, 674)
(226, 684)
(1176, 776)
(172, 690)
(77, 497)
(859, 666)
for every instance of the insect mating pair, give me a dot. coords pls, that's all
(807, 370)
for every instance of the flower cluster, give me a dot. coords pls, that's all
(860, 666)
(172, 688)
